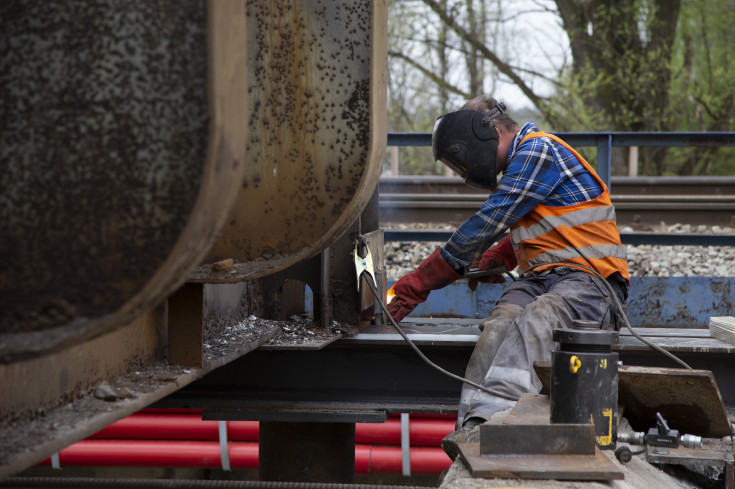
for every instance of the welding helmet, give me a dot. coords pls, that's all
(467, 142)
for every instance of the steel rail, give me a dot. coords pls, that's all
(644, 201)
(621, 185)
(109, 483)
(631, 238)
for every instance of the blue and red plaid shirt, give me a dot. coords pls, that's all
(540, 171)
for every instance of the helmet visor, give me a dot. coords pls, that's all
(467, 142)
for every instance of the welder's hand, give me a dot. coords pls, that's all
(413, 289)
(500, 254)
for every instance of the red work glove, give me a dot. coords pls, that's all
(413, 289)
(500, 254)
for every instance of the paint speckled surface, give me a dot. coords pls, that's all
(316, 93)
(103, 137)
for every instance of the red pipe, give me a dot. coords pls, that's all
(180, 438)
(124, 453)
(422, 431)
(176, 427)
(377, 459)
(369, 459)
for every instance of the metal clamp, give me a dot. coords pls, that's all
(477, 273)
(363, 264)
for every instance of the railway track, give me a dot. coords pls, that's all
(640, 202)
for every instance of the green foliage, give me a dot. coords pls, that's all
(703, 91)
(632, 65)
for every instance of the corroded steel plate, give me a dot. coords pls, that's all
(123, 136)
(317, 82)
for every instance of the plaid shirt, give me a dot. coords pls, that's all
(540, 171)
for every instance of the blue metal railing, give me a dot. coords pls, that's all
(604, 141)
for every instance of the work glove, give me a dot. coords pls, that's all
(413, 289)
(500, 254)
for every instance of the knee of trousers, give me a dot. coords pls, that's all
(541, 317)
(549, 304)
(500, 318)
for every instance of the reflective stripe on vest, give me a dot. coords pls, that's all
(584, 233)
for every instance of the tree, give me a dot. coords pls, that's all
(422, 50)
(631, 65)
(705, 95)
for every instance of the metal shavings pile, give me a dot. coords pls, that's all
(222, 335)
(303, 332)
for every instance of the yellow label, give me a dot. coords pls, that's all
(603, 363)
(606, 439)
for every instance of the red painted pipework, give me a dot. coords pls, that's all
(156, 438)
(158, 453)
(377, 459)
(369, 459)
(422, 431)
(176, 427)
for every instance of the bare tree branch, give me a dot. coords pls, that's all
(503, 67)
(436, 79)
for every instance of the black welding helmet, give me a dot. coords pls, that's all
(467, 142)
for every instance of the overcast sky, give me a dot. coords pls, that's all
(537, 42)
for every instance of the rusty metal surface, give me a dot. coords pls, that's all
(48, 402)
(537, 439)
(527, 446)
(123, 139)
(716, 453)
(553, 467)
(185, 332)
(317, 132)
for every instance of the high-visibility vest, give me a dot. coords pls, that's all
(584, 234)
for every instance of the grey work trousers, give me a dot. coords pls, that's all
(519, 329)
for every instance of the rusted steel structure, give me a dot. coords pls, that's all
(157, 158)
(175, 173)
(124, 128)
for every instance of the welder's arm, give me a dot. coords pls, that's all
(530, 177)
(500, 254)
(413, 289)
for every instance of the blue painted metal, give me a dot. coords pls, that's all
(672, 302)
(604, 141)
(703, 139)
(604, 157)
(424, 236)
(684, 239)
(668, 239)
(409, 139)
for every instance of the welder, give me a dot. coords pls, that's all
(563, 236)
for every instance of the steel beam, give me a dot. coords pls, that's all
(309, 452)
(50, 402)
(185, 337)
(378, 370)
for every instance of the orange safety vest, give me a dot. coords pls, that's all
(585, 233)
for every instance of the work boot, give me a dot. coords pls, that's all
(468, 433)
